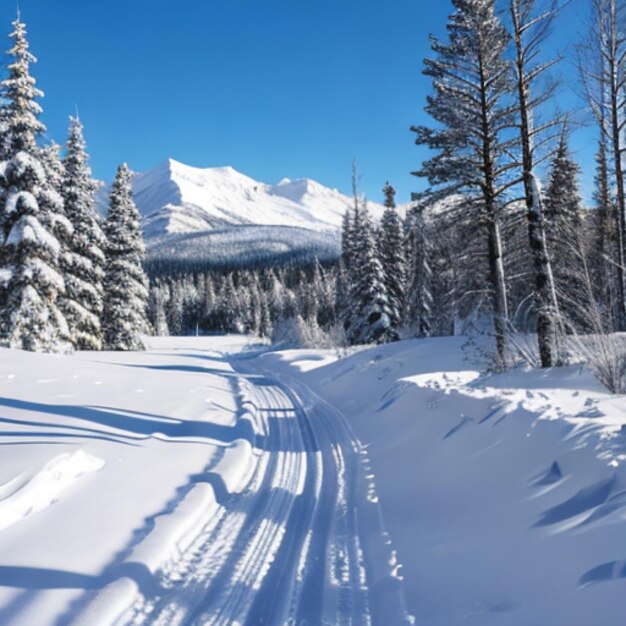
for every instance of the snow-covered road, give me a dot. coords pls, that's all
(302, 544)
(185, 485)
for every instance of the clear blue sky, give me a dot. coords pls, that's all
(274, 88)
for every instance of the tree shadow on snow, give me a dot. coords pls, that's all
(143, 425)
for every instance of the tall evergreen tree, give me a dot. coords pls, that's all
(391, 253)
(564, 219)
(29, 257)
(368, 299)
(125, 284)
(419, 297)
(471, 105)
(55, 219)
(85, 274)
(605, 276)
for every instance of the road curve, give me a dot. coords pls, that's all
(304, 544)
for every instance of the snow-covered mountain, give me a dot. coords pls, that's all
(175, 198)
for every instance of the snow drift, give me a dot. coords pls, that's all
(505, 495)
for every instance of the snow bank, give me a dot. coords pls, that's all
(22, 496)
(150, 423)
(504, 495)
(171, 535)
(236, 466)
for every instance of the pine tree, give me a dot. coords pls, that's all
(347, 237)
(419, 305)
(29, 258)
(176, 309)
(369, 321)
(125, 284)
(391, 253)
(265, 322)
(85, 275)
(157, 301)
(229, 308)
(471, 105)
(564, 226)
(605, 276)
(55, 220)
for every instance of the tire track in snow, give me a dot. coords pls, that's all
(304, 544)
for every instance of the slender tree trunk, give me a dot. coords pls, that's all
(496, 266)
(545, 303)
(616, 144)
(496, 271)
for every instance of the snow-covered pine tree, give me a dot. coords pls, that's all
(531, 22)
(473, 114)
(209, 303)
(29, 258)
(565, 233)
(347, 237)
(419, 298)
(369, 321)
(322, 285)
(56, 221)
(603, 247)
(391, 254)
(176, 309)
(265, 321)
(85, 274)
(125, 284)
(229, 307)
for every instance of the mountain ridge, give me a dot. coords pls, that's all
(174, 198)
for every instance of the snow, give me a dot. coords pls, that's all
(211, 481)
(98, 451)
(151, 487)
(22, 496)
(29, 230)
(503, 495)
(177, 198)
(241, 246)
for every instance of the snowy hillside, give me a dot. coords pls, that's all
(244, 246)
(504, 495)
(177, 198)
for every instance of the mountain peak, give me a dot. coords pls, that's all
(178, 198)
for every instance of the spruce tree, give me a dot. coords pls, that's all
(56, 221)
(419, 300)
(564, 226)
(473, 114)
(347, 236)
(85, 274)
(125, 284)
(29, 258)
(391, 253)
(369, 321)
(605, 276)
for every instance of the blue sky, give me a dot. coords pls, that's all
(274, 88)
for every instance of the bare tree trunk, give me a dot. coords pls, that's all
(545, 301)
(500, 307)
(496, 266)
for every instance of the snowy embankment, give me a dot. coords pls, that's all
(109, 468)
(505, 495)
(183, 486)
